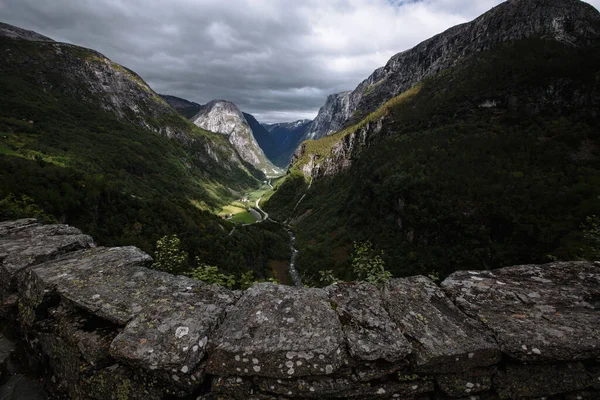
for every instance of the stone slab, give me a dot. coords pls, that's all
(445, 339)
(370, 333)
(102, 281)
(24, 244)
(172, 333)
(281, 332)
(537, 313)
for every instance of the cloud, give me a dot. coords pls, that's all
(276, 59)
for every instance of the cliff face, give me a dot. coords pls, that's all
(100, 323)
(93, 78)
(571, 22)
(224, 117)
(337, 109)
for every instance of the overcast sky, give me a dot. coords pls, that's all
(276, 59)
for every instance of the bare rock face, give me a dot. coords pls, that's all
(224, 117)
(571, 22)
(536, 312)
(445, 339)
(331, 116)
(280, 332)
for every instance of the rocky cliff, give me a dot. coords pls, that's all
(571, 22)
(337, 109)
(105, 326)
(226, 118)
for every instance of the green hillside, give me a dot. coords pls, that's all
(122, 176)
(491, 163)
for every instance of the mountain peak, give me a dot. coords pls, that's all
(222, 116)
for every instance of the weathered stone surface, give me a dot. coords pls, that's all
(522, 381)
(8, 227)
(466, 384)
(233, 387)
(24, 243)
(370, 333)
(19, 387)
(102, 281)
(7, 347)
(281, 332)
(342, 388)
(368, 371)
(171, 334)
(536, 312)
(445, 339)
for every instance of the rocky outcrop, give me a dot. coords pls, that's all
(571, 22)
(342, 153)
(224, 117)
(105, 326)
(337, 109)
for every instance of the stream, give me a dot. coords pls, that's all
(294, 275)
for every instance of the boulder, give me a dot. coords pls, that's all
(280, 332)
(445, 339)
(537, 313)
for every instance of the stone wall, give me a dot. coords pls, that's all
(104, 326)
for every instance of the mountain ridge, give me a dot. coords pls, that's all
(570, 21)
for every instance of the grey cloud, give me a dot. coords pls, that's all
(276, 59)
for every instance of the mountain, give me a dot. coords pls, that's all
(512, 20)
(87, 142)
(263, 138)
(226, 118)
(287, 136)
(477, 148)
(331, 116)
(186, 108)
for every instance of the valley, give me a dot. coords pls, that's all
(431, 234)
